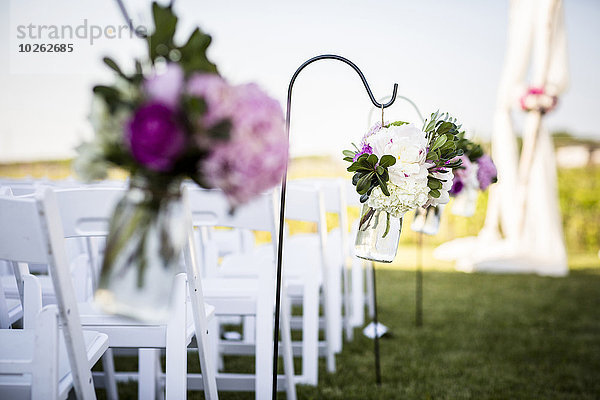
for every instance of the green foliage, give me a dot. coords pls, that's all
(369, 173)
(579, 196)
(191, 56)
(444, 139)
(471, 149)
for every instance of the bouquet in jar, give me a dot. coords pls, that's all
(173, 117)
(397, 168)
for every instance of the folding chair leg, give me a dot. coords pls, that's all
(148, 364)
(288, 356)
(248, 329)
(347, 303)
(176, 369)
(264, 341)
(358, 293)
(110, 382)
(335, 308)
(310, 333)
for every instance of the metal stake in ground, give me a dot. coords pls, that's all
(283, 192)
(376, 336)
(419, 287)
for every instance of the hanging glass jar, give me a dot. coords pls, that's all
(143, 251)
(378, 235)
(465, 203)
(427, 220)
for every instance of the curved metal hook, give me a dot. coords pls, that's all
(344, 60)
(283, 191)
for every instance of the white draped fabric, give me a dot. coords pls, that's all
(523, 231)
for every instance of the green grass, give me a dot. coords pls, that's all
(484, 337)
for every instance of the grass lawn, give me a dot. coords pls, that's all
(484, 337)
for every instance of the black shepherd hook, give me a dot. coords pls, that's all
(283, 190)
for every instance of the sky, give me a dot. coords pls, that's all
(445, 55)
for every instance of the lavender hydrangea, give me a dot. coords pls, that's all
(254, 158)
(487, 173)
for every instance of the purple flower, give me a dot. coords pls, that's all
(461, 174)
(154, 136)
(255, 156)
(366, 149)
(486, 174)
(166, 87)
(374, 129)
(457, 186)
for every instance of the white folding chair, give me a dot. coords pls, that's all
(361, 270)
(338, 253)
(85, 213)
(308, 274)
(248, 289)
(30, 232)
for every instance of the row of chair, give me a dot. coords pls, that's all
(234, 276)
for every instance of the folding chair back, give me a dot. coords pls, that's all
(31, 232)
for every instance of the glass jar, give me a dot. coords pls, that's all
(427, 220)
(143, 250)
(378, 235)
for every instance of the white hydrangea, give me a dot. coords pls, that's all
(408, 194)
(406, 143)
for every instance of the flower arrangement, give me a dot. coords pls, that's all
(475, 173)
(399, 167)
(175, 117)
(537, 99)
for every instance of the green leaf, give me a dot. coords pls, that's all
(432, 156)
(115, 67)
(349, 159)
(193, 53)
(353, 167)
(349, 153)
(398, 123)
(380, 170)
(111, 96)
(221, 130)
(434, 193)
(372, 159)
(364, 198)
(383, 186)
(363, 183)
(434, 183)
(439, 142)
(387, 161)
(444, 127)
(165, 24)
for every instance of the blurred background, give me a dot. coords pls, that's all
(484, 335)
(443, 55)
